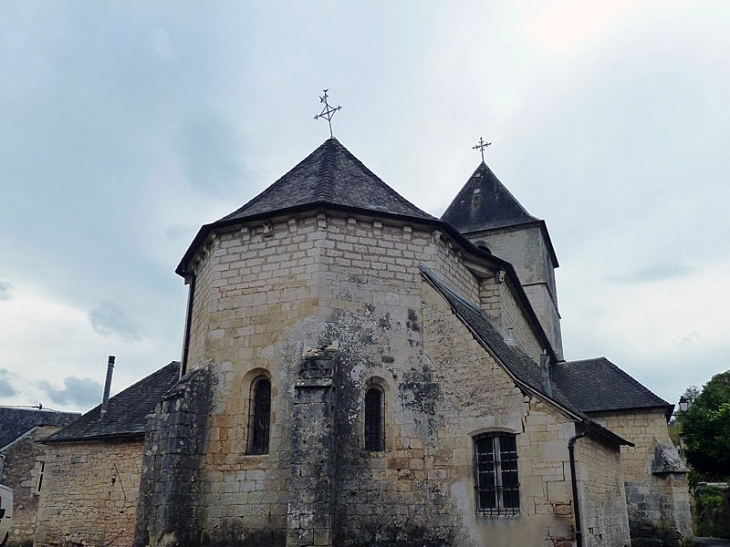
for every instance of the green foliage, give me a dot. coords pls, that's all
(706, 429)
(711, 521)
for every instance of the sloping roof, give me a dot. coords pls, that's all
(597, 385)
(127, 411)
(518, 363)
(15, 422)
(328, 177)
(485, 203)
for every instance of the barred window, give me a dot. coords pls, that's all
(374, 420)
(497, 484)
(259, 416)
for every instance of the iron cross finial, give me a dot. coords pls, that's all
(328, 111)
(481, 146)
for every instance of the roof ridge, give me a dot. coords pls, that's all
(325, 175)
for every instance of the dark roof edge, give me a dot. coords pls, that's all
(206, 229)
(577, 415)
(605, 433)
(108, 437)
(543, 228)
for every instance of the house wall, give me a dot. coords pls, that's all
(90, 492)
(658, 503)
(23, 464)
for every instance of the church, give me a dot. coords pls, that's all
(357, 372)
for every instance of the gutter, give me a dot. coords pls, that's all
(574, 484)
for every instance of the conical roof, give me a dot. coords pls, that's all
(485, 203)
(330, 175)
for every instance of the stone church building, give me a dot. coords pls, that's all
(357, 372)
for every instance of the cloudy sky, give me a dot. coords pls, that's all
(124, 126)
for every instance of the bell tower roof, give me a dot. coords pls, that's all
(485, 203)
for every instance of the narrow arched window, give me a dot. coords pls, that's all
(259, 416)
(374, 420)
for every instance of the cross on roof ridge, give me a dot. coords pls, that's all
(328, 111)
(481, 146)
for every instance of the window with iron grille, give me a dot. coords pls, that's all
(259, 416)
(497, 484)
(374, 420)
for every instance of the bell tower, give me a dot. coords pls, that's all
(487, 214)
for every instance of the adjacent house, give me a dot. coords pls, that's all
(22, 463)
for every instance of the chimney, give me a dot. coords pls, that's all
(545, 373)
(107, 387)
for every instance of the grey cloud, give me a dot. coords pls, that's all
(6, 389)
(109, 319)
(5, 288)
(78, 391)
(651, 275)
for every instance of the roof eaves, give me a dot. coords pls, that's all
(90, 438)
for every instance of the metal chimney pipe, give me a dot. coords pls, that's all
(107, 387)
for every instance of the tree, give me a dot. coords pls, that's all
(706, 429)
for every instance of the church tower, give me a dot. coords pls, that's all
(487, 214)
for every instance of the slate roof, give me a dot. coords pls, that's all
(518, 363)
(329, 177)
(485, 203)
(597, 385)
(15, 422)
(127, 411)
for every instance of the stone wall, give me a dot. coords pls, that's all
(90, 492)
(657, 494)
(275, 297)
(170, 485)
(526, 248)
(24, 469)
(601, 493)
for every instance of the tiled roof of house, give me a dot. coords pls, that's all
(519, 364)
(597, 385)
(485, 203)
(127, 411)
(15, 422)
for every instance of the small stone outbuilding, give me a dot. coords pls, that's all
(93, 467)
(22, 463)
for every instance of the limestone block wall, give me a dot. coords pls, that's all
(601, 493)
(527, 250)
(272, 297)
(658, 503)
(169, 492)
(24, 472)
(497, 299)
(90, 493)
(478, 396)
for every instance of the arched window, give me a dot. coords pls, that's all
(498, 487)
(259, 416)
(374, 419)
